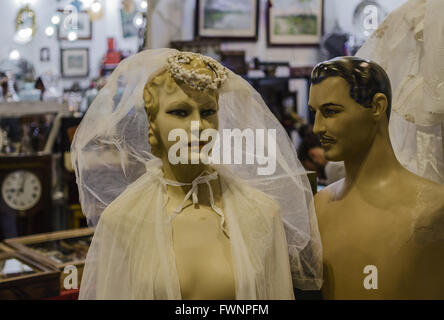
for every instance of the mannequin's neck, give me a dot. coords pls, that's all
(183, 173)
(373, 167)
(186, 173)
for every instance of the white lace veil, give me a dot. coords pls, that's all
(110, 152)
(409, 45)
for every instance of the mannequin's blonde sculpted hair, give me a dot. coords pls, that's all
(160, 81)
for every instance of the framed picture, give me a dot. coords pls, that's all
(227, 19)
(45, 54)
(128, 28)
(80, 23)
(235, 61)
(294, 22)
(74, 62)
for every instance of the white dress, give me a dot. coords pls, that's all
(270, 218)
(132, 256)
(409, 45)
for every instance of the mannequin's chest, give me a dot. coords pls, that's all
(202, 254)
(357, 235)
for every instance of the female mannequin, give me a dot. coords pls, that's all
(197, 229)
(191, 231)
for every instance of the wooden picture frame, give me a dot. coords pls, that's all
(218, 21)
(293, 24)
(28, 246)
(74, 62)
(235, 61)
(82, 25)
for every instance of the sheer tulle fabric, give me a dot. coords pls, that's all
(409, 45)
(270, 219)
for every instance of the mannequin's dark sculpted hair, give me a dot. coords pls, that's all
(365, 78)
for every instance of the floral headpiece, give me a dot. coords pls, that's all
(192, 78)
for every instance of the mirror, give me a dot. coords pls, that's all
(25, 25)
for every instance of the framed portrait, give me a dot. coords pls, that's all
(128, 28)
(45, 54)
(227, 19)
(79, 22)
(294, 22)
(74, 62)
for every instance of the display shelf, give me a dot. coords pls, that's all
(24, 278)
(56, 249)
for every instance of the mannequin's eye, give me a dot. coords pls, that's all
(330, 112)
(208, 112)
(178, 112)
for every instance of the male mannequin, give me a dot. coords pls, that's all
(380, 214)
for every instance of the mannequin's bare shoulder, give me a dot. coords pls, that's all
(430, 222)
(430, 191)
(329, 192)
(326, 195)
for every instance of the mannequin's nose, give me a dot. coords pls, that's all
(319, 125)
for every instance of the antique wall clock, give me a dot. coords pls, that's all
(25, 195)
(26, 166)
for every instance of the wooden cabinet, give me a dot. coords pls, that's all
(57, 250)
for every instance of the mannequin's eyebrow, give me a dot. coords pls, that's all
(211, 104)
(178, 104)
(330, 104)
(325, 105)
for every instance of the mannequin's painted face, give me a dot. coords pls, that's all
(346, 128)
(178, 108)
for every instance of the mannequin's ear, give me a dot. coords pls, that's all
(379, 106)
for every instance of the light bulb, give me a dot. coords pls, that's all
(55, 19)
(49, 31)
(96, 7)
(14, 55)
(138, 20)
(144, 4)
(25, 33)
(72, 36)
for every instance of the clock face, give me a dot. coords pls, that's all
(21, 190)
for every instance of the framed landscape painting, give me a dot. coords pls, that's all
(74, 62)
(82, 25)
(294, 22)
(227, 19)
